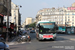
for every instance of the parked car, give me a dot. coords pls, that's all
(4, 46)
(33, 31)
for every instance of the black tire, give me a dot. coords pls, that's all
(18, 40)
(39, 39)
(29, 39)
(53, 39)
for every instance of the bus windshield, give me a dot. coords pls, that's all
(47, 27)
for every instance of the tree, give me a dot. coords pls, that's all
(32, 24)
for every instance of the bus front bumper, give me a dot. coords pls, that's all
(41, 38)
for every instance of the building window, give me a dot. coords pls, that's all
(49, 13)
(10, 20)
(72, 19)
(72, 22)
(72, 25)
(60, 22)
(68, 17)
(61, 19)
(14, 14)
(57, 22)
(65, 17)
(67, 14)
(42, 13)
(72, 16)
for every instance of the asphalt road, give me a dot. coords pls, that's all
(63, 42)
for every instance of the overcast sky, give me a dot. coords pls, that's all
(31, 7)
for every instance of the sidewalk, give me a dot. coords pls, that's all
(12, 40)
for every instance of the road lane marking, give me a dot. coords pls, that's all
(29, 42)
(62, 41)
(23, 42)
(72, 39)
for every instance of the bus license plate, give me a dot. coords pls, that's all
(47, 36)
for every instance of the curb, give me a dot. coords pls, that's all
(15, 43)
(14, 39)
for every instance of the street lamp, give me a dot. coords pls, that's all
(7, 20)
(17, 6)
(66, 22)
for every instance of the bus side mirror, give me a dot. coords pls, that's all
(38, 25)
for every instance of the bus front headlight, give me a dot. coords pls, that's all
(54, 34)
(40, 35)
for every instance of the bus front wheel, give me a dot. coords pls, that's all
(39, 38)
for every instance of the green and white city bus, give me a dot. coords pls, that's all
(46, 30)
(61, 29)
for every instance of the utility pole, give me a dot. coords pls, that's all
(17, 6)
(7, 20)
(65, 23)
